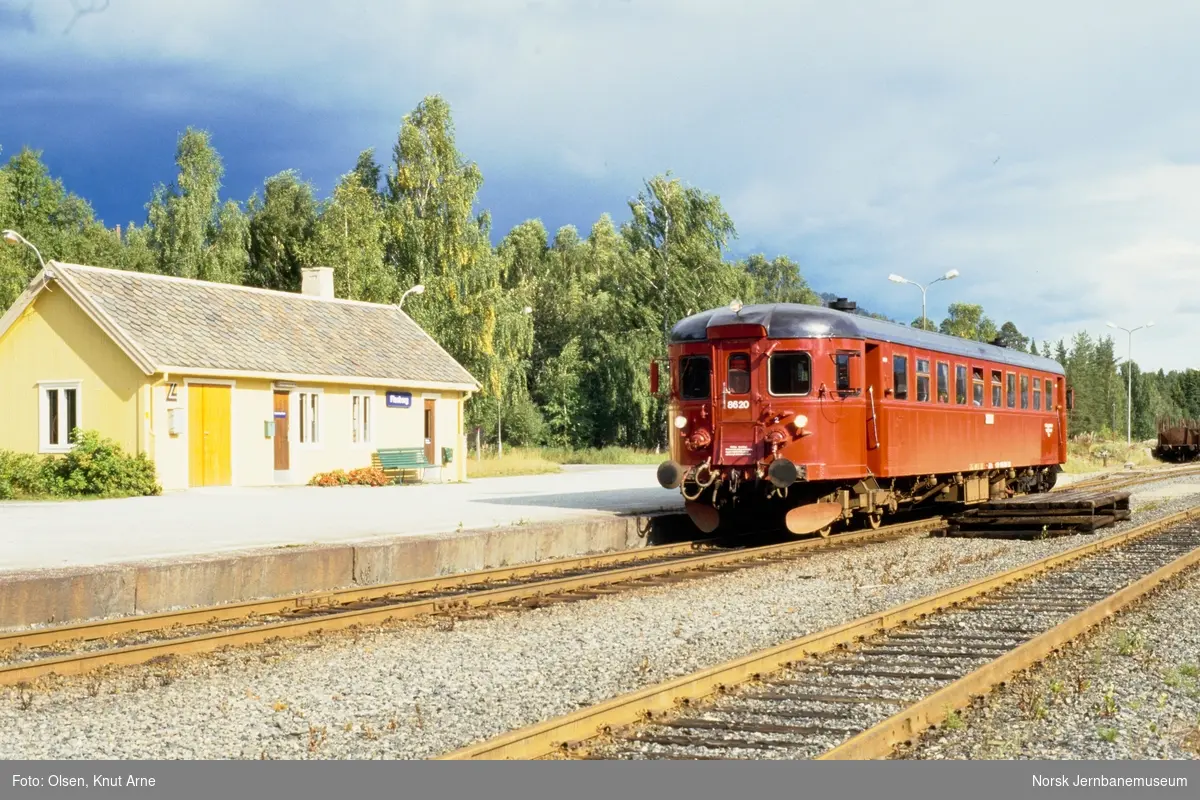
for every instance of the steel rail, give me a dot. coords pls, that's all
(85, 661)
(562, 735)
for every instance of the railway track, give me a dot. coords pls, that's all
(857, 690)
(75, 649)
(63, 650)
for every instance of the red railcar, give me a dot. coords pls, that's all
(821, 415)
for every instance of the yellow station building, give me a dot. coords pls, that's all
(225, 385)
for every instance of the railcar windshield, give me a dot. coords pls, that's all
(739, 373)
(695, 373)
(789, 373)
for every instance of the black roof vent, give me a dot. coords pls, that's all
(842, 304)
(999, 342)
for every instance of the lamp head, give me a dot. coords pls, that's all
(735, 306)
(1149, 324)
(1110, 324)
(951, 275)
(527, 310)
(419, 289)
(12, 237)
(894, 278)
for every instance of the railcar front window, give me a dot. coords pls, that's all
(960, 385)
(790, 373)
(995, 388)
(977, 385)
(900, 377)
(943, 378)
(922, 380)
(739, 373)
(1012, 390)
(1037, 394)
(694, 377)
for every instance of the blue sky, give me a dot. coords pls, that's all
(859, 139)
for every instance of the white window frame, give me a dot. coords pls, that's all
(366, 399)
(306, 392)
(63, 446)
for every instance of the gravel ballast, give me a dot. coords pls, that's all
(418, 689)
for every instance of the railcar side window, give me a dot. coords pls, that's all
(900, 377)
(695, 374)
(943, 385)
(960, 384)
(922, 380)
(1024, 391)
(843, 372)
(977, 385)
(1049, 394)
(789, 373)
(1012, 390)
(995, 388)
(739, 373)
(1037, 394)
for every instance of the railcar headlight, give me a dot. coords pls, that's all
(801, 420)
(681, 422)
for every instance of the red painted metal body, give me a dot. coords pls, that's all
(861, 407)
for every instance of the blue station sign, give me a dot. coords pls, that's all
(399, 400)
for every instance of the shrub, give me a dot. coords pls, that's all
(94, 467)
(365, 476)
(98, 466)
(25, 474)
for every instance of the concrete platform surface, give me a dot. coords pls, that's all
(47, 535)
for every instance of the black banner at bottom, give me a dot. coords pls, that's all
(741, 780)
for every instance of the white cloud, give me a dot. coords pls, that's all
(859, 140)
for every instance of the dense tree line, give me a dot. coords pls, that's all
(558, 328)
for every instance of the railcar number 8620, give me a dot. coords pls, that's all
(737, 403)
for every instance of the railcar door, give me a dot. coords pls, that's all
(735, 407)
(875, 421)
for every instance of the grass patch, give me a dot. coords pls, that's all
(544, 460)
(1085, 453)
(516, 461)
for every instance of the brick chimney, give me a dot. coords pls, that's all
(317, 281)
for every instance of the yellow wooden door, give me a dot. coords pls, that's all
(209, 435)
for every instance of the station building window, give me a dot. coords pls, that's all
(695, 377)
(1024, 391)
(738, 373)
(977, 385)
(310, 417)
(922, 380)
(1037, 394)
(59, 415)
(900, 376)
(996, 402)
(789, 374)
(943, 382)
(1012, 390)
(960, 384)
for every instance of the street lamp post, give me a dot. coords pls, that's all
(1129, 367)
(12, 237)
(500, 405)
(418, 289)
(949, 276)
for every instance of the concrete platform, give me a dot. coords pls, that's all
(81, 560)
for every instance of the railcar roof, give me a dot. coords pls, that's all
(795, 321)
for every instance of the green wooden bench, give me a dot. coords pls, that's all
(402, 460)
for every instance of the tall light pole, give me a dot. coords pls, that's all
(418, 289)
(1129, 367)
(12, 237)
(949, 276)
(500, 405)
